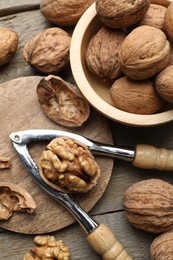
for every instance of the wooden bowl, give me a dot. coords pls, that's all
(93, 88)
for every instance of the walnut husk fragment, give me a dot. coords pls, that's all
(62, 102)
(8, 44)
(164, 83)
(148, 205)
(101, 55)
(68, 166)
(121, 13)
(48, 51)
(169, 21)
(48, 247)
(144, 53)
(162, 247)
(64, 12)
(14, 198)
(138, 97)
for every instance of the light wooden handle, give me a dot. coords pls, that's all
(150, 157)
(105, 243)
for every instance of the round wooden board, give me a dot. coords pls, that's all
(20, 110)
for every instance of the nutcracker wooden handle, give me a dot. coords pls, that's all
(150, 157)
(105, 243)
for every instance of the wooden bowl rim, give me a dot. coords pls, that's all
(93, 98)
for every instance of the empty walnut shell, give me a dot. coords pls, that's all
(161, 247)
(164, 83)
(144, 53)
(64, 12)
(138, 97)
(62, 102)
(68, 166)
(121, 13)
(14, 198)
(48, 52)
(102, 53)
(148, 205)
(169, 21)
(8, 44)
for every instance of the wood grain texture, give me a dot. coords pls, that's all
(21, 111)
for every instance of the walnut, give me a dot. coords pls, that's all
(164, 83)
(154, 17)
(148, 205)
(48, 52)
(8, 44)
(138, 97)
(5, 162)
(14, 198)
(62, 102)
(171, 54)
(68, 166)
(64, 12)
(102, 53)
(121, 13)
(161, 247)
(144, 53)
(169, 21)
(48, 247)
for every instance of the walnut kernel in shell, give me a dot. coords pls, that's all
(62, 102)
(138, 97)
(148, 205)
(121, 13)
(144, 53)
(48, 52)
(101, 55)
(64, 12)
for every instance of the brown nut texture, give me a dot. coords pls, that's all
(144, 53)
(5, 162)
(102, 53)
(161, 247)
(62, 102)
(169, 21)
(121, 13)
(154, 17)
(68, 165)
(164, 83)
(14, 198)
(171, 54)
(8, 44)
(64, 12)
(48, 247)
(138, 97)
(48, 52)
(148, 205)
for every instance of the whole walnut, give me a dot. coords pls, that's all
(102, 53)
(64, 12)
(121, 13)
(169, 21)
(148, 205)
(162, 247)
(164, 83)
(48, 52)
(138, 97)
(8, 44)
(144, 52)
(154, 17)
(171, 54)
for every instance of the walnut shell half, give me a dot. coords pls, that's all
(14, 198)
(148, 205)
(62, 102)
(48, 51)
(69, 166)
(144, 53)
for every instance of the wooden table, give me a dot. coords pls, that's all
(27, 21)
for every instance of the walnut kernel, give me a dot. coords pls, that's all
(5, 162)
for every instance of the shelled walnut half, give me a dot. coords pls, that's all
(48, 247)
(68, 166)
(14, 198)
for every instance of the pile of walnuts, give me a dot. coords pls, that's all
(134, 49)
